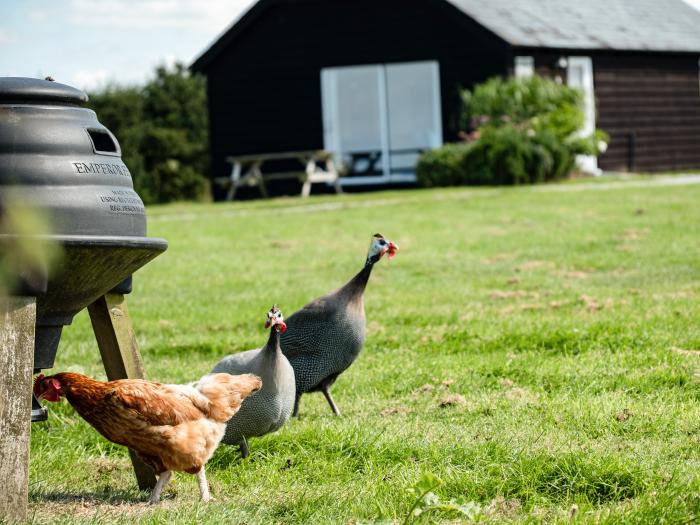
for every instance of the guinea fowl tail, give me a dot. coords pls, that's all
(226, 392)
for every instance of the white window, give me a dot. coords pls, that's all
(579, 74)
(524, 67)
(377, 119)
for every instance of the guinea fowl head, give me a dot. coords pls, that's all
(275, 319)
(380, 246)
(48, 388)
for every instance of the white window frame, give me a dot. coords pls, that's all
(524, 66)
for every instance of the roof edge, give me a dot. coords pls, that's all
(222, 40)
(256, 9)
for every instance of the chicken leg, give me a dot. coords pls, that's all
(203, 485)
(163, 480)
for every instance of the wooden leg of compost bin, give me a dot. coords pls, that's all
(120, 355)
(17, 319)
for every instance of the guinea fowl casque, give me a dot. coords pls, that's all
(170, 427)
(271, 407)
(326, 336)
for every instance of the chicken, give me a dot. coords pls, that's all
(170, 427)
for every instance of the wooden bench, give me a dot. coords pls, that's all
(248, 170)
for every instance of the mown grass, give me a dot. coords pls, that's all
(533, 349)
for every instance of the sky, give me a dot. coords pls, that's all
(91, 43)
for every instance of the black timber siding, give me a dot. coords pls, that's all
(649, 104)
(265, 88)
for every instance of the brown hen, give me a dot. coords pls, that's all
(170, 427)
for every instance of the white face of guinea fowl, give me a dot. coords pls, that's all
(275, 318)
(379, 246)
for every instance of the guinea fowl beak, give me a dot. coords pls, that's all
(392, 249)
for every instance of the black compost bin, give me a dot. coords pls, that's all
(56, 157)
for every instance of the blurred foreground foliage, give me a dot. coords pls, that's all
(162, 128)
(26, 248)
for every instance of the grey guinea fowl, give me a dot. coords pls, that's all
(326, 335)
(269, 408)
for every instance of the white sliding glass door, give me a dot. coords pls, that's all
(377, 119)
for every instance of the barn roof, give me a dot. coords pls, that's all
(625, 25)
(630, 25)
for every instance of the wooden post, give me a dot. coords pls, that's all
(17, 320)
(120, 354)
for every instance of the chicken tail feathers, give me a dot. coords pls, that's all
(227, 392)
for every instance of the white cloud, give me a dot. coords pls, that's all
(90, 80)
(7, 37)
(148, 14)
(694, 3)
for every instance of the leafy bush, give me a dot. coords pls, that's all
(162, 129)
(523, 131)
(442, 166)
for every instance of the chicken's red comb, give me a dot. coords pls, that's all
(38, 381)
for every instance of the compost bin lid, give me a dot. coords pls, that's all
(21, 90)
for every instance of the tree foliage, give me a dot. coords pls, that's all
(163, 131)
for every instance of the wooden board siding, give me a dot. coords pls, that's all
(649, 104)
(653, 101)
(265, 89)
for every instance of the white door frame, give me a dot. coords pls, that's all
(330, 115)
(587, 163)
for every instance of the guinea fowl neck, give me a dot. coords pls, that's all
(273, 343)
(357, 284)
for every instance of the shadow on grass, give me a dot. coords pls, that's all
(102, 497)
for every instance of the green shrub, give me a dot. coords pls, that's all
(524, 131)
(442, 166)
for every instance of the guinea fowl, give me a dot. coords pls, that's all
(326, 336)
(271, 407)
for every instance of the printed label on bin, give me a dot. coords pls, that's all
(121, 201)
(101, 168)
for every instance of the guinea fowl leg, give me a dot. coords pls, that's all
(163, 480)
(326, 392)
(295, 412)
(243, 445)
(203, 485)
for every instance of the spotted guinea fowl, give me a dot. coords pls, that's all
(271, 406)
(326, 336)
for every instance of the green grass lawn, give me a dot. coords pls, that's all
(536, 351)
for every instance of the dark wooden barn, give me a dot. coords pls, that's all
(377, 81)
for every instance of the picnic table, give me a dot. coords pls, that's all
(251, 170)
